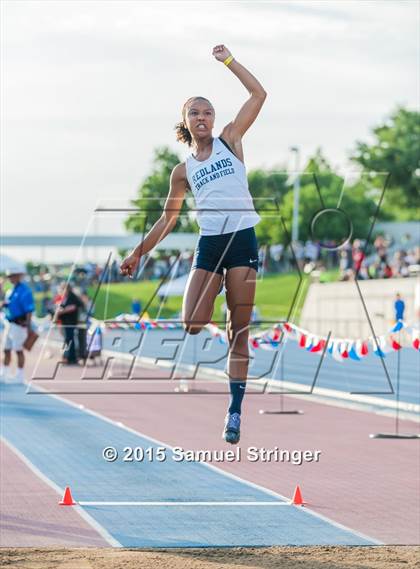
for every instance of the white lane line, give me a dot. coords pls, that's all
(101, 530)
(185, 503)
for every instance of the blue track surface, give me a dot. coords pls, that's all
(66, 443)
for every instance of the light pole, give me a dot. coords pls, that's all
(296, 191)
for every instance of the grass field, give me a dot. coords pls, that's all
(274, 298)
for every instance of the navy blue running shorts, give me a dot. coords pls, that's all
(217, 252)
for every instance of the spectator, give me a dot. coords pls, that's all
(56, 301)
(68, 313)
(373, 271)
(262, 258)
(399, 265)
(276, 252)
(299, 253)
(387, 272)
(45, 304)
(412, 256)
(115, 271)
(358, 257)
(381, 248)
(83, 326)
(311, 251)
(136, 306)
(2, 293)
(19, 304)
(404, 271)
(330, 254)
(399, 307)
(345, 265)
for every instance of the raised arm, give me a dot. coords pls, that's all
(250, 109)
(163, 225)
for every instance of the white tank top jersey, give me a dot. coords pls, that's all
(220, 189)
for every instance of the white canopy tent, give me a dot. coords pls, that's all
(7, 263)
(176, 287)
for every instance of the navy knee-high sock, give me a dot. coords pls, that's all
(237, 392)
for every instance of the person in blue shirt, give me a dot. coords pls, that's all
(135, 306)
(19, 305)
(399, 307)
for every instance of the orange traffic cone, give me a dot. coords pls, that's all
(297, 499)
(67, 498)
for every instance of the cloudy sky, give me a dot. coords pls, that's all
(90, 88)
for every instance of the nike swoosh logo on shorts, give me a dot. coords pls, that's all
(253, 260)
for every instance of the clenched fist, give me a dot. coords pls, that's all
(129, 266)
(221, 52)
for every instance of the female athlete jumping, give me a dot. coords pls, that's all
(227, 248)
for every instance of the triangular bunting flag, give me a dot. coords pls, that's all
(395, 345)
(302, 340)
(353, 353)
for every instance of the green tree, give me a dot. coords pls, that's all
(152, 194)
(321, 188)
(268, 189)
(395, 150)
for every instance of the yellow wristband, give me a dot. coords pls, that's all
(228, 60)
